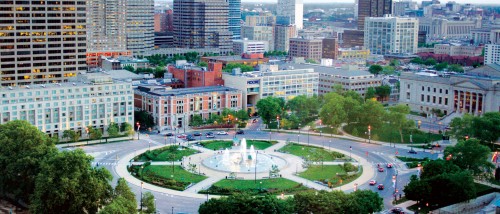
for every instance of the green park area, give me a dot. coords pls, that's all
(223, 144)
(331, 174)
(312, 153)
(167, 153)
(166, 176)
(386, 133)
(412, 162)
(275, 186)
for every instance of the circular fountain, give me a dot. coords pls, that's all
(243, 160)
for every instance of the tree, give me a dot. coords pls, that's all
(365, 201)
(417, 60)
(371, 113)
(383, 91)
(394, 62)
(430, 61)
(397, 119)
(159, 72)
(129, 68)
(148, 202)
(145, 119)
(461, 126)
(352, 106)
(71, 135)
(196, 121)
(388, 70)
(244, 68)
(23, 149)
(68, 183)
(470, 155)
(123, 202)
(95, 134)
(332, 113)
(127, 128)
(486, 128)
(441, 66)
(202, 64)
(375, 69)
(269, 108)
(244, 203)
(456, 68)
(312, 61)
(113, 130)
(305, 108)
(370, 93)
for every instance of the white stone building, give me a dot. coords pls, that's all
(293, 9)
(249, 46)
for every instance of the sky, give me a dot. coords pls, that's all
(352, 1)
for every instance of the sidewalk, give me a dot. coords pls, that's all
(90, 142)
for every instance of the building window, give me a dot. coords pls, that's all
(407, 95)
(445, 101)
(234, 103)
(428, 98)
(180, 109)
(408, 86)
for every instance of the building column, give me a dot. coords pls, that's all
(465, 100)
(477, 104)
(459, 108)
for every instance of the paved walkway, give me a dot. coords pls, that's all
(293, 166)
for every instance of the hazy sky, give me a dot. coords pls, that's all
(352, 1)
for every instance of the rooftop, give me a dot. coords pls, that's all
(231, 58)
(123, 75)
(163, 91)
(329, 70)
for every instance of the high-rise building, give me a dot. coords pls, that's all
(391, 35)
(372, 8)
(170, 20)
(307, 48)
(160, 22)
(492, 54)
(261, 33)
(283, 34)
(202, 24)
(262, 20)
(292, 8)
(140, 26)
(330, 48)
(41, 45)
(235, 18)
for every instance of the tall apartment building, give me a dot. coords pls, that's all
(241, 46)
(492, 54)
(372, 8)
(330, 48)
(260, 20)
(235, 18)
(261, 33)
(93, 99)
(140, 26)
(41, 41)
(202, 24)
(293, 9)
(282, 36)
(307, 48)
(391, 35)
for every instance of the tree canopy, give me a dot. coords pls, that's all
(470, 155)
(123, 201)
(270, 107)
(243, 203)
(232, 65)
(375, 69)
(486, 128)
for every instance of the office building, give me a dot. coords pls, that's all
(352, 38)
(307, 48)
(353, 53)
(195, 76)
(160, 21)
(247, 59)
(202, 24)
(140, 26)
(391, 35)
(492, 54)
(458, 49)
(170, 20)
(171, 52)
(260, 20)
(282, 36)
(285, 84)
(473, 92)
(93, 99)
(260, 33)
(175, 108)
(249, 46)
(293, 9)
(164, 40)
(330, 48)
(235, 18)
(439, 28)
(39, 45)
(372, 8)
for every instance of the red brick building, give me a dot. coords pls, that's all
(194, 76)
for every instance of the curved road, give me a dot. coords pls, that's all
(106, 155)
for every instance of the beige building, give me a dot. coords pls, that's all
(439, 28)
(93, 99)
(140, 26)
(261, 33)
(474, 92)
(283, 34)
(307, 48)
(351, 53)
(264, 20)
(41, 46)
(391, 35)
(458, 49)
(107, 25)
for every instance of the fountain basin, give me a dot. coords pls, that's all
(235, 163)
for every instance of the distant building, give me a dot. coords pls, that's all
(307, 48)
(372, 8)
(160, 22)
(352, 38)
(175, 108)
(247, 59)
(492, 54)
(170, 52)
(438, 28)
(249, 46)
(330, 48)
(93, 99)
(458, 49)
(195, 76)
(164, 40)
(474, 92)
(234, 18)
(140, 26)
(391, 35)
(260, 20)
(352, 53)
(294, 9)
(259, 33)
(282, 36)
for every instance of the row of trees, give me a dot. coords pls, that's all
(232, 65)
(163, 60)
(275, 53)
(485, 128)
(113, 130)
(158, 71)
(438, 66)
(449, 181)
(322, 202)
(242, 116)
(49, 181)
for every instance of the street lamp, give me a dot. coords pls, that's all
(87, 130)
(142, 183)
(298, 138)
(308, 137)
(369, 134)
(138, 127)
(278, 121)
(256, 155)
(260, 187)
(299, 127)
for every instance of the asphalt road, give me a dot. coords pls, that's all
(107, 154)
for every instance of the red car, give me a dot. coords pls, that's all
(182, 136)
(380, 187)
(373, 182)
(389, 165)
(381, 169)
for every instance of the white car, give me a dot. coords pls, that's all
(222, 133)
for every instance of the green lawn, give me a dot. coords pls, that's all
(389, 134)
(328, 173)
(167, 153)
(409, 159)
(162, 176)
(314, 153)
(327, 130)
(274, 186)
(223, 144)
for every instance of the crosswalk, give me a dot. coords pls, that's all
(104, 164)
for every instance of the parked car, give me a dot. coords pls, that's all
(397, 210)
(197, 134)
(389, 165)
(182, 136)
(222, 133)
(412, 151)
(380, 187)
(240, 132)
(190, 138)
(373, 182)
(209, 135)
(169, 134)
(255, 120)
(381, 169)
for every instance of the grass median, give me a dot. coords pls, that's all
(275, 186)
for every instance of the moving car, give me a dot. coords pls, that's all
(254, 120)
(412, 151)
(381, 169)
(380, 187)
(373, 182)
(240, 132)
(182, 136)
(197, 134)
(209, 135)
(222, 133)
(389, 165)
(190, 138)
(169, 134)
(397, 210)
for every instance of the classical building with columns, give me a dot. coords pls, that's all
(474, 92)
